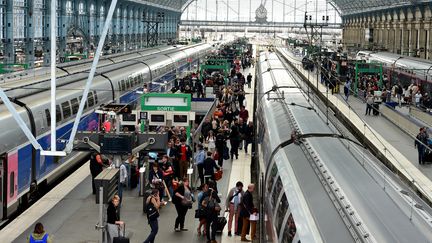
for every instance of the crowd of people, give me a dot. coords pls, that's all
(228, 130)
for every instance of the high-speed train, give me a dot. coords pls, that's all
(320, 185)
(21, 166)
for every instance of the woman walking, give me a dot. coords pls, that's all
(182, 200)
(153, 203)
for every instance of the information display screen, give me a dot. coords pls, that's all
(143, 115)
(180, 118)
(115, 143)
(129, 117)
(157, 118)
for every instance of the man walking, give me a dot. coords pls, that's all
(248, 208)
(420, 143)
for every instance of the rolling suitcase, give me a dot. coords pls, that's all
(220, 224)
(121, 239)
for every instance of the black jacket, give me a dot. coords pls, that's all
(209, 166)
(112, 214)
(220, 141)
(247, 205)
(95, 167)
(181, 191)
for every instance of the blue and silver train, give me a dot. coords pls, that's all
(117, 78)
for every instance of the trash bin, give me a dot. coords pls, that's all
(375, 109)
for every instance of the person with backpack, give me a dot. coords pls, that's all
(200, 214)
(39, 235)
(232, 205)
(153, 205)
(212, 208)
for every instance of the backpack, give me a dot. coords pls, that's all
(152, 212)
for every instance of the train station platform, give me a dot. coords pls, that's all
(396, 145)
(69, 211)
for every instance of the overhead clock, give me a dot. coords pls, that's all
(261, 14)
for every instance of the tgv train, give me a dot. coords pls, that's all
(401, 68)
(21, 166)
(316, 187)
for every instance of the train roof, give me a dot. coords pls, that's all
(383, 213)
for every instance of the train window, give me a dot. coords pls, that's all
(276, 191)
(66, 109)
(273, 174)
(12, 184)
(48, 117)
(74, 105)
(290, 230)
(90, 99)
(136, 80)
(123, 86)
(128, 85)
(58, 113)
(85, 104)
(281, 212)
(95, 97)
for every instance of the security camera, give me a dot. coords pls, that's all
(86, 139)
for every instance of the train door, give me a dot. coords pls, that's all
(12, 177)
(3, 161)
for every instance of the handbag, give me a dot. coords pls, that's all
(186, 202)
(218, 175)
(215, 155)
(199, 213)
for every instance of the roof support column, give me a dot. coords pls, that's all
(9, 48)
(29, 36)
(64, 19)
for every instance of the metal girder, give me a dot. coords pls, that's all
(349, 7)
(243, 24)
(108, 19)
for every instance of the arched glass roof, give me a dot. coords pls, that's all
(344, 7)
(286, 11)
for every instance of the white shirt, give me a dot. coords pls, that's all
(238, 195)
(418, 97)
(123, 173)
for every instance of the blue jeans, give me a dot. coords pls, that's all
(421, 153)
(120, 191)
(154, 230)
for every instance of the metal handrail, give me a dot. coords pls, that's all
(195, 140)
